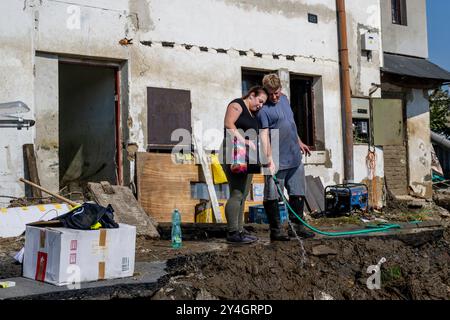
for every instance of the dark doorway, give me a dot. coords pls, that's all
(87, 124)
(302, 107)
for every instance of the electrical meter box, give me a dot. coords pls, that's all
(370, 41)
(360, 108)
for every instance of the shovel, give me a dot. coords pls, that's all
(57, 196)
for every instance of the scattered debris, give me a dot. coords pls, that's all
(126, 208)
(31, 169)
(442, 199)
(19, 255)
(273, 271)
(125, 41)
(320, 295)
(322, 250)
(7, 284)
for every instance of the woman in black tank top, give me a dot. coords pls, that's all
(241, 130)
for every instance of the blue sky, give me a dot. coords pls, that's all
(438, 14)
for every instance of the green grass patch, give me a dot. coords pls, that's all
(391, 274)
(352, 220)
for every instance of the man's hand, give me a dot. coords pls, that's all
(305, 149)
(272, 168)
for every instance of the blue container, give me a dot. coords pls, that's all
(257, 214)
(344, 199)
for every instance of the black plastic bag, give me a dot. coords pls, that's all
(88, 215)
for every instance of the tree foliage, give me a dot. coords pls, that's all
(440, 111)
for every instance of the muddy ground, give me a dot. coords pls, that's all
(276, 271)
(334, 268)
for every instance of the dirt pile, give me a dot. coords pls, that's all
(336, 270)
(9, 267)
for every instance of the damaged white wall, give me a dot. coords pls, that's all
(364, 74)
(410, 40)
(419, 143)
(16, 78)
(213, 78)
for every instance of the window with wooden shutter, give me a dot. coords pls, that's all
(168, 110)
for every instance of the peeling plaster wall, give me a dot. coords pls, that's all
(364, 72)
(419, 143)
(16, 78)
(213, 78)
(97, 35)
(362, 19)
(42, 25)
(47, 126)
(411, 40)
(248, 24)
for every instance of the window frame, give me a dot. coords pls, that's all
(311, 114)
(399, 12)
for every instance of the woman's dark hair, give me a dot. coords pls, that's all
(257, 90)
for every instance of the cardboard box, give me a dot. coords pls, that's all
(62, 256)
(258, 191)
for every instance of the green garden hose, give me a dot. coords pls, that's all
(369, 229)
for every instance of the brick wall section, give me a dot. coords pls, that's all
(395, 169)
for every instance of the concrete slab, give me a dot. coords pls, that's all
(147, 278)
(126, 208)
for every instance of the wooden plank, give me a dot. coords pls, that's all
(164, 185)
(33, 176)
(209, 181)
(410, 236)
(258, 178)
(107, 188)
(195, 231)
(310, 197)
(320, 197)
(126, 208)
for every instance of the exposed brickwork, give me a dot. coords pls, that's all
(395, 170)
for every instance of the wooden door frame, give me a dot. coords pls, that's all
(386, 94)
(121, 107)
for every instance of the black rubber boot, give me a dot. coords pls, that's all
(298, 204)
(273, 215)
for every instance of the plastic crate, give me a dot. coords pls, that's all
(257, 214)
